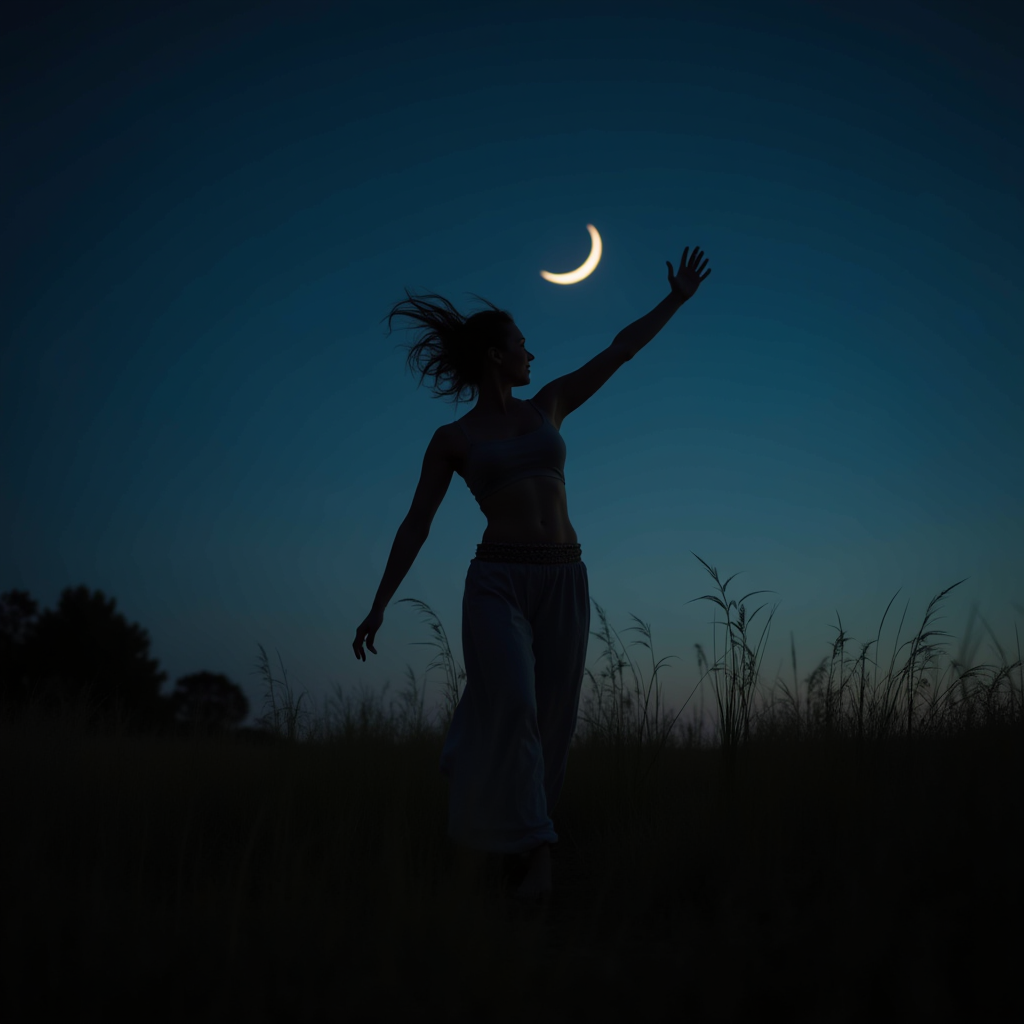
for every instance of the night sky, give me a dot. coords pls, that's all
(208, 208)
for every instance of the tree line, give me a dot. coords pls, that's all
(85, 654)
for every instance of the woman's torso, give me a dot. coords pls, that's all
(530, 511)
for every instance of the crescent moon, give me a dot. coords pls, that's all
(585, 269)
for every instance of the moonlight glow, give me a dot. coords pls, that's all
(585, 269)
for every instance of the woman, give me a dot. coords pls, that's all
(526, 605)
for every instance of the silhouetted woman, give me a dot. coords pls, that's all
(526, 605)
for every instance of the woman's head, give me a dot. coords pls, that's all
(462, 352)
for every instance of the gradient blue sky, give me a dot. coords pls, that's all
(210, 207)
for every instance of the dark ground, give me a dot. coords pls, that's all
(170, 880)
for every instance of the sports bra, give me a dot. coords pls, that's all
(491, 465)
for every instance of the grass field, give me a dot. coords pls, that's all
(838, 857)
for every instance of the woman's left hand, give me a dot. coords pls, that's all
(686, 282)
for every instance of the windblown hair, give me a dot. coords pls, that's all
(452, 348)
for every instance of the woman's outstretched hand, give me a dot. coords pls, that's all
(687, 281)
(367, 629)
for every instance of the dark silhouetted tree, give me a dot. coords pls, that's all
(88, 649)
(18, 616)
(210, 701)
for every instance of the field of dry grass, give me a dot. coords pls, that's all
(832, 859)
(223, 880)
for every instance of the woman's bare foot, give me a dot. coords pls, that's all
(537, 883)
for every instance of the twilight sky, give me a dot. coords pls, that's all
(208, 208)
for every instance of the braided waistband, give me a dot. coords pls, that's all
(543, 554)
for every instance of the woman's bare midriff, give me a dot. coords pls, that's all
(530, 511)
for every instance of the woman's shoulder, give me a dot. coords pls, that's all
(454, 441)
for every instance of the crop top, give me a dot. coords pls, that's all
(491, 465)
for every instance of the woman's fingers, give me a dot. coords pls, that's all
(694, 257)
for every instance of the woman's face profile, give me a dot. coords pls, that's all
(517, 357)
